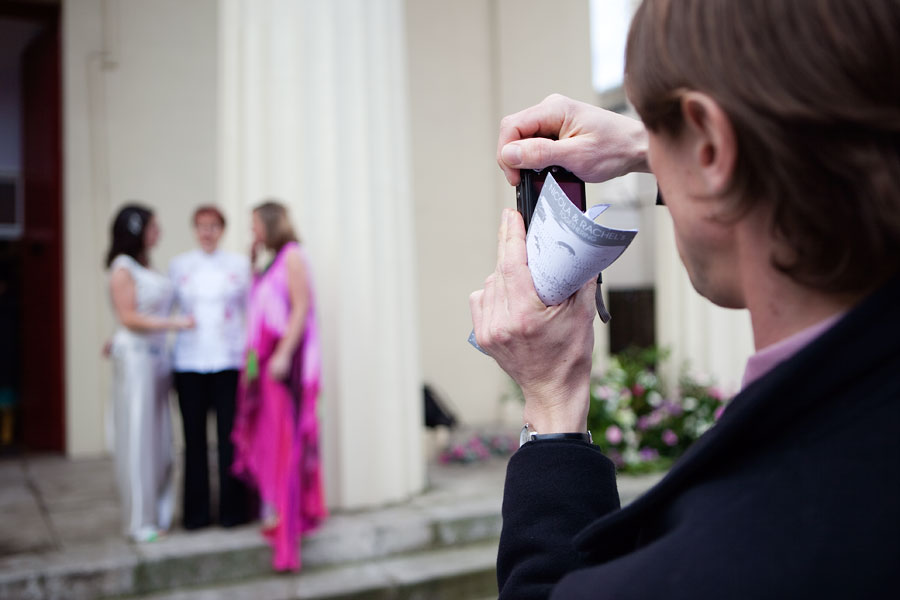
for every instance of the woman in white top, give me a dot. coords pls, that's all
(211, 286)
(141, 299)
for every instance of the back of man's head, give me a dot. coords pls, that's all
(812, 89)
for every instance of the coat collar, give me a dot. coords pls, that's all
(866, 337)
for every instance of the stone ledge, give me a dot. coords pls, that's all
(444, 574)
(461, 507)
(219, 556)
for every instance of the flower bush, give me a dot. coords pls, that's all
(640, 426)
(632, 417)
(478, 447)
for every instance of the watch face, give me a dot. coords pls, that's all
(524, 435)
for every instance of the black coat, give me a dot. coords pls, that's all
(795, 493)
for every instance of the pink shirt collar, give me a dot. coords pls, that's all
(769, 357)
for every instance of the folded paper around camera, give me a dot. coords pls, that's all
(567, 247)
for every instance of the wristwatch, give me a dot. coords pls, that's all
(528, 434)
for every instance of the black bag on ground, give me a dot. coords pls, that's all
(436, 412)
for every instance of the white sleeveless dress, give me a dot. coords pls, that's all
(142, 423)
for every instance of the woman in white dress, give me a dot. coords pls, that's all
(142, 300)
(211, 285)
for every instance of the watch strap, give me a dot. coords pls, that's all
(530, 435)
(583, 437)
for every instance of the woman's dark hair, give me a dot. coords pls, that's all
(275, 220)
(127, 233)
(812, 90)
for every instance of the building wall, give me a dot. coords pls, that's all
(140, 103)
(453, 112)
(471, 63)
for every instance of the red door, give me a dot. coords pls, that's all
(43, 399)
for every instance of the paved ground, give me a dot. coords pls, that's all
(53, 503)
(62, 516)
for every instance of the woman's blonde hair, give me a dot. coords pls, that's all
(277, 224)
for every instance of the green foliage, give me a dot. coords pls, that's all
(637, 422)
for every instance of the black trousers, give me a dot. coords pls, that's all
(197, 394)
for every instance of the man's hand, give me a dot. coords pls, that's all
(545, 349)
(595, 144)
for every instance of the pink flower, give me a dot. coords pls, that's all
(613, 435)
(672, 408)
(648, 454)
(637, 389)
(669, 437)
(617, 459)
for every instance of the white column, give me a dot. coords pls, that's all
(314, 112)
(708, 340)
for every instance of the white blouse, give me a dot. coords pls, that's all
(213, 288)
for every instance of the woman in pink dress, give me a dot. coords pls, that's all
(276, 431)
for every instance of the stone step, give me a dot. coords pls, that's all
(466, 573)
(80, 552)
(218, 556)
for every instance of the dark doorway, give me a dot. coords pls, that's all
(634, 319)
(32, 399)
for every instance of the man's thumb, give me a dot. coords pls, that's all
(531, 153)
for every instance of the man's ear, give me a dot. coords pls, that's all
(713, 145)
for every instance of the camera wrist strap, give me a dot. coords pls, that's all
(598, 299)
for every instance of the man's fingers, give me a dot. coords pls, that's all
(542, 120)
(585, 297)
(514, 252)
(475, 308)
(501, 235)
(531, 153)
(488, 308)
(516, 277)
(570, 153)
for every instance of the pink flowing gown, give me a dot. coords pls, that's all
(276, 432)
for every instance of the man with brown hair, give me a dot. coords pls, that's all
(774, 131)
